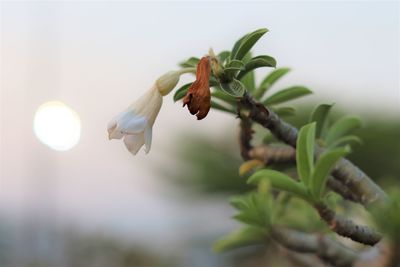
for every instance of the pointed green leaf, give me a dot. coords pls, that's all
(246, 43)
(322, 169)
(257, 62)
(237, 64)
(231, 68)
(341, 127)
(248, 79)
(247, 57)
(181, 92)
(190, 63)
(272, 78)
(221, 107)
(243, 237)
(305, 152)
(284, 111)
(346, 140)
(237, 45)
(319, 115)
(221, 95)
(239, 202)
(279, 181)
(234, 88)
(287, 95)
(253, 209)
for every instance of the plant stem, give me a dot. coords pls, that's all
(348, 228)
(324, 247)
(271, 154)
(346, 172)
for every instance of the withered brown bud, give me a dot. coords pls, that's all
(198, 97)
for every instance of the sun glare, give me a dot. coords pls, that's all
(57, 125)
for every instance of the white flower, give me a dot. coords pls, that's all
(135, 124)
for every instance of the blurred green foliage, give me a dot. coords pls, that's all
(387, 216)
(209, 166)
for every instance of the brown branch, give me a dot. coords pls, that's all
(346, 172)
(327, 249)
(288, 134)
(343, 190)
(348, 228)
(350, 175)
(245, 136)
(270, 154)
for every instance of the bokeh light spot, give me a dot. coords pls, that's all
(57, 125)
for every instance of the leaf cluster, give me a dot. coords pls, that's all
(237, 77)
(312, 174)
(336, 134)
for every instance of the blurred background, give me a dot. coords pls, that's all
(83, 200)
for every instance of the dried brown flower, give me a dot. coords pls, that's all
(198, 97)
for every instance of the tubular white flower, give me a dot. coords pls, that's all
(135, 124)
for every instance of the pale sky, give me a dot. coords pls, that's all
(98, 57)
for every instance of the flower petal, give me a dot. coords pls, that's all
(113, 133)
(134, 142)
(132, 124)
(147, 138)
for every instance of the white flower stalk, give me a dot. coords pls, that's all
(135, 124)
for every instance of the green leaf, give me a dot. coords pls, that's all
(340, 128)
(271, 79)
(235, 64)
(322, 169)
(319, 115)
(239, 202)
(287, 95)
(247, 57)
(305, 152)
(223, 56)
(231, 68)
(191, 62)
(213, 81)
(236, 46)
(284, 111)
(220, 107)
(248, 79)
(257, 62)
(246, 43)
(234, 88)
(240, 238)
(181, 92)
(254, 209)
(279, 181)
(224, 97)
(346, 140)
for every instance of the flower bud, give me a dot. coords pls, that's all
(167, 82)
(216, 67)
